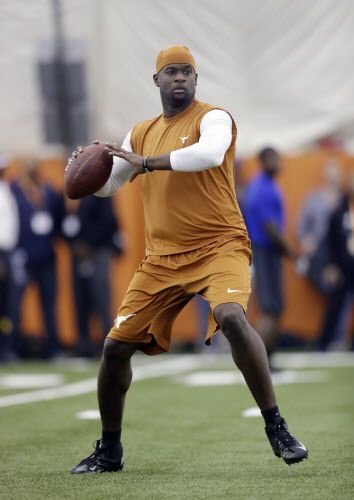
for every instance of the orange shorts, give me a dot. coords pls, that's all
(163, 285)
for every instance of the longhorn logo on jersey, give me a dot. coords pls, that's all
(183, 139)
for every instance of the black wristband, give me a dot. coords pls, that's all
(145, 165)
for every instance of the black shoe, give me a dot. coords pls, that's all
(102, 460)
(284, 444)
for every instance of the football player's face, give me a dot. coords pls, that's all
(177, 83)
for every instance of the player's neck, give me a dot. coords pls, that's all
(171, 110)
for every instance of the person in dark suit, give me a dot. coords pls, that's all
(40, 210)
(93, 234)
(339, 274)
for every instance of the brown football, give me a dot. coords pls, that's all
(88, 172)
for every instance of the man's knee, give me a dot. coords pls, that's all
(115, 351)
(232, 321)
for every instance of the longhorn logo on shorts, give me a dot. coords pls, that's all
(183, 139)
(119, 320)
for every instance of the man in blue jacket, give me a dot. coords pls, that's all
(265, 220)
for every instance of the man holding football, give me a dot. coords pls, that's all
(196, 243)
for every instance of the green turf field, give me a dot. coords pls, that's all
(180, 441)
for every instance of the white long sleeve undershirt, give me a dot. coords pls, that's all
(121, 171)
(208, 152)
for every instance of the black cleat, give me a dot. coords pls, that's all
(284, 444)
(101, 460)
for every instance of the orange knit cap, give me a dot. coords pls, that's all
(178, 54)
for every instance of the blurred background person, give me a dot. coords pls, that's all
(339, 273)
(40, 210)
(240, 184)
(313, 223)
(93, 232)
(265, 219)
(8, 240)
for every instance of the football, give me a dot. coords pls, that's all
(88, 172)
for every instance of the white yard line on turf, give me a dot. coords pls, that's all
(30, 380)
(169, 366)
(175, 364)
(254, 411)
(218, 378)
(88, 415)
(313, 359)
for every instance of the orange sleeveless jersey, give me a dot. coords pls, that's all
(186, 210)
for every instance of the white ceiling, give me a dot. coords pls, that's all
(283, 68)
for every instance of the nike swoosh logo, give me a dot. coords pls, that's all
(230, 290)
(302, 447)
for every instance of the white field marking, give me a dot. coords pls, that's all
(74, 389)
(251, 412)
(169, 366)
(88, 415)
(292, 360)
(30, 380)
(166, 367)
(152, 371)
(75, 364)
(313, 359)
(226, 378)
(297, 377)
(215, 378)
